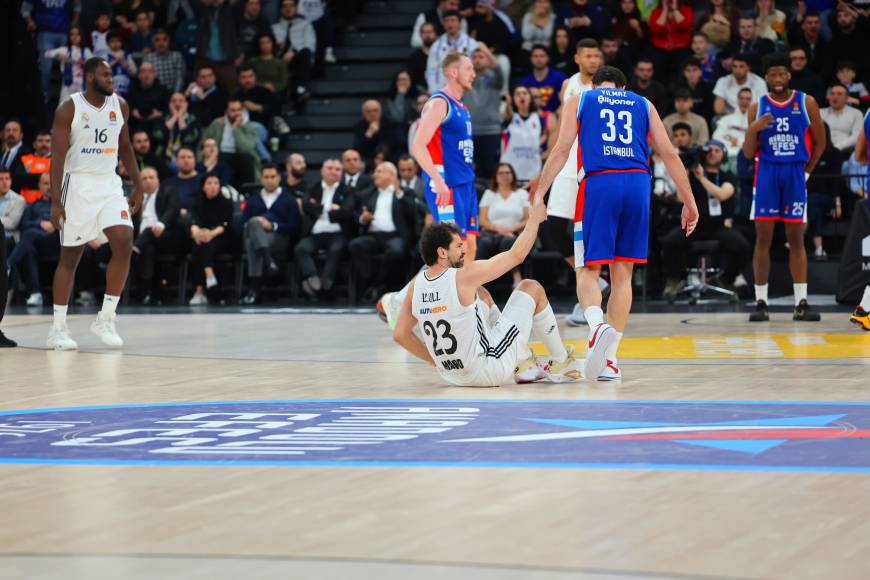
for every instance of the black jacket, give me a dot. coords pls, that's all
(18, 171)
(226, 26)
(363, 181)
(166, 206)
(344, 197)
(403, 210)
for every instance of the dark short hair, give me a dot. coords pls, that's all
(266, 166)
(406, 157)
(436, 236)
(838, 84)
(587, 43)
(5, 170)
(742, 57)
(539, 47)
(682, 93)
(777, 59)
(493, 185)
(93, 63)
(162, 31)
(136, 132)
(691, 61)
(180, 149)
(644, 59)
(815, 13)
(610, 74)
(246, 67)
(43, 132)
(450, 13)
(744, 90)
(846, 64)
(684, 126)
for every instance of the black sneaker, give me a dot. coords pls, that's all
(802, 312)
(760, 314)
(6, 342)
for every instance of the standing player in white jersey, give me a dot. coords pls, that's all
(464, 336)
(87, 199)
(559, 229)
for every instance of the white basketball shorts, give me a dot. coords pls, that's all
(92, 203)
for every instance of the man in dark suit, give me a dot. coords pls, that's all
(13, 149)
(272, 223)
(353, 174)
(385, 214)
(748, 43)
(156, 229)
(329, 209)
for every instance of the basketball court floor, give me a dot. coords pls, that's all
(305, 444)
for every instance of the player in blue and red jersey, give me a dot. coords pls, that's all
(786, 137)
(612, 216)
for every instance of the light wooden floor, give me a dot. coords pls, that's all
(385, 522)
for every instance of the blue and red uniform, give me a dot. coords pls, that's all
(867, 136)
(611, 222)
(780, 189)
(452, 151)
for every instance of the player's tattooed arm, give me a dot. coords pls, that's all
(60, 135)
(128, 157)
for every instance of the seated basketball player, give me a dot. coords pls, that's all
(463, 334)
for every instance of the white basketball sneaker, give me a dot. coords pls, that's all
(576, 318)
(60, 339)
(388, 308)
(596, 353)
(611, 372)
(104, 327)
(529, 370)
(565, 372)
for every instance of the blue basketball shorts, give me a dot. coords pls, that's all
(779, 192)
(611, 222)
(463, 211)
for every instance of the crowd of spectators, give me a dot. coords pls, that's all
(209, 83)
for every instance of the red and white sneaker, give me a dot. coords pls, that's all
(611, 372)
(596, 353)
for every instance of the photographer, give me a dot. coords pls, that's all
(714, 193)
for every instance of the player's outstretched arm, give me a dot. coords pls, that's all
(559, 154)
(430, 119)
(60, 130)
(666, 152)
(404, 331)
(861, 147)
(817, 132)
(128, 157)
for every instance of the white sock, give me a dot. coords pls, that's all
(110, 303)
(800, 293)
(60, 314)
(594, 316)
(547, 330)
(761, 292)
(610, 354)
(865, 300)
(211, 281)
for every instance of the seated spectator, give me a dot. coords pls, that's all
(148, 99)
(13, 151)
(416, 63)
(453, 40)
(168, 64)
(731, 129)
(237, 141)
(140, 41)
(72, 59)
(645, 85)
(846, 73)
(691, 78)
(38, 238)
(807, 34)
(155, 229)
(719, 22)
(271, 224)
(315, 12)
(504, 211)
(100, 35)
(271, 70)
(211, 216)
(670, 31)
(845, 122)
(538, 24)
(824, 195)
(562, 52)
(770, 21)
(548, 80)
(493, 28)
(683, 114)
(210, 161)
(681, 136)
(250, 23)
(259, 104)
(435, 17)
(585, 18)
(526, 131)
(727, 87)
(849, 30)
(749, 44)
(12, 208)
(179, 129)
(353, 175)
(145, 156)
(33, 165)
(702, 54)
(329, 209)
(207, 100)
(374, 130)
(629, 24)
(802, 77)
(483, 103)
(857, 172)
(400, 105)
(409, 177)
(713, 190)
(385, 214)
(294, 181)
(123, 66)
(187, 182)
(297, 43)
(615, 53)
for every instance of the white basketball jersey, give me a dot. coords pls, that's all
(452, 332)
(574, 88)
(521, 145)
(94, 136)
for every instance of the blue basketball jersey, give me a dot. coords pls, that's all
(613, 127)
(867, 136)
(787, 140)
(452, 147)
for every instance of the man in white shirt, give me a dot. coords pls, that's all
(329, 209)
(731, 129)
(436, 18)
(727, 87)
(845, 121)
(453, 40)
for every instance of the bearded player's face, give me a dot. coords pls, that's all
(102, 82)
